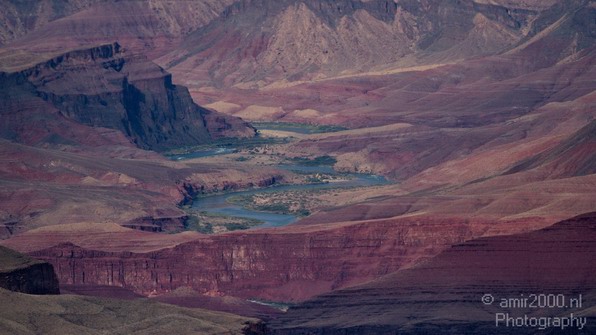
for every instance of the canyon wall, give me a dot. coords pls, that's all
(289, 264)
(106, 87)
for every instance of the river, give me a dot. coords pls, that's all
(218, 203)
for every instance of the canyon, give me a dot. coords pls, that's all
(117, 116)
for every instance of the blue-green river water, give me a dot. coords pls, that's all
(218, 203)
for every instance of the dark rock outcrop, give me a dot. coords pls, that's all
(105, 87)
(255, 328)
(158, 224)
(23, 274)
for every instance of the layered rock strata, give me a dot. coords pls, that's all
(104, 87)
(444, 295)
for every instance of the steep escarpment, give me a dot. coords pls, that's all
(444, 295)
(286, 264)
(21, 273)
(104, 87)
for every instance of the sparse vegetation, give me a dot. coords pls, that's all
(298, 127)
(211, 223)
(235, 226)
(194, 223)
(229, 143)
(72, 314)
(299, 203)
(317, 161)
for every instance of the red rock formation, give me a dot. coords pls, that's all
(498, 143)
(443, 295)
(286, 264)
(469, 106)
(576, 156)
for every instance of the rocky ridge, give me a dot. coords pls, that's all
(151, 26)
(292, 41)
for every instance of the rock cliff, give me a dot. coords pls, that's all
(105, 87)
(20, 273)
(289, 264)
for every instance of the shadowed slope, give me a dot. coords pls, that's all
(21, 273)
(574, 157)
(106, 87)
(443, 295)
